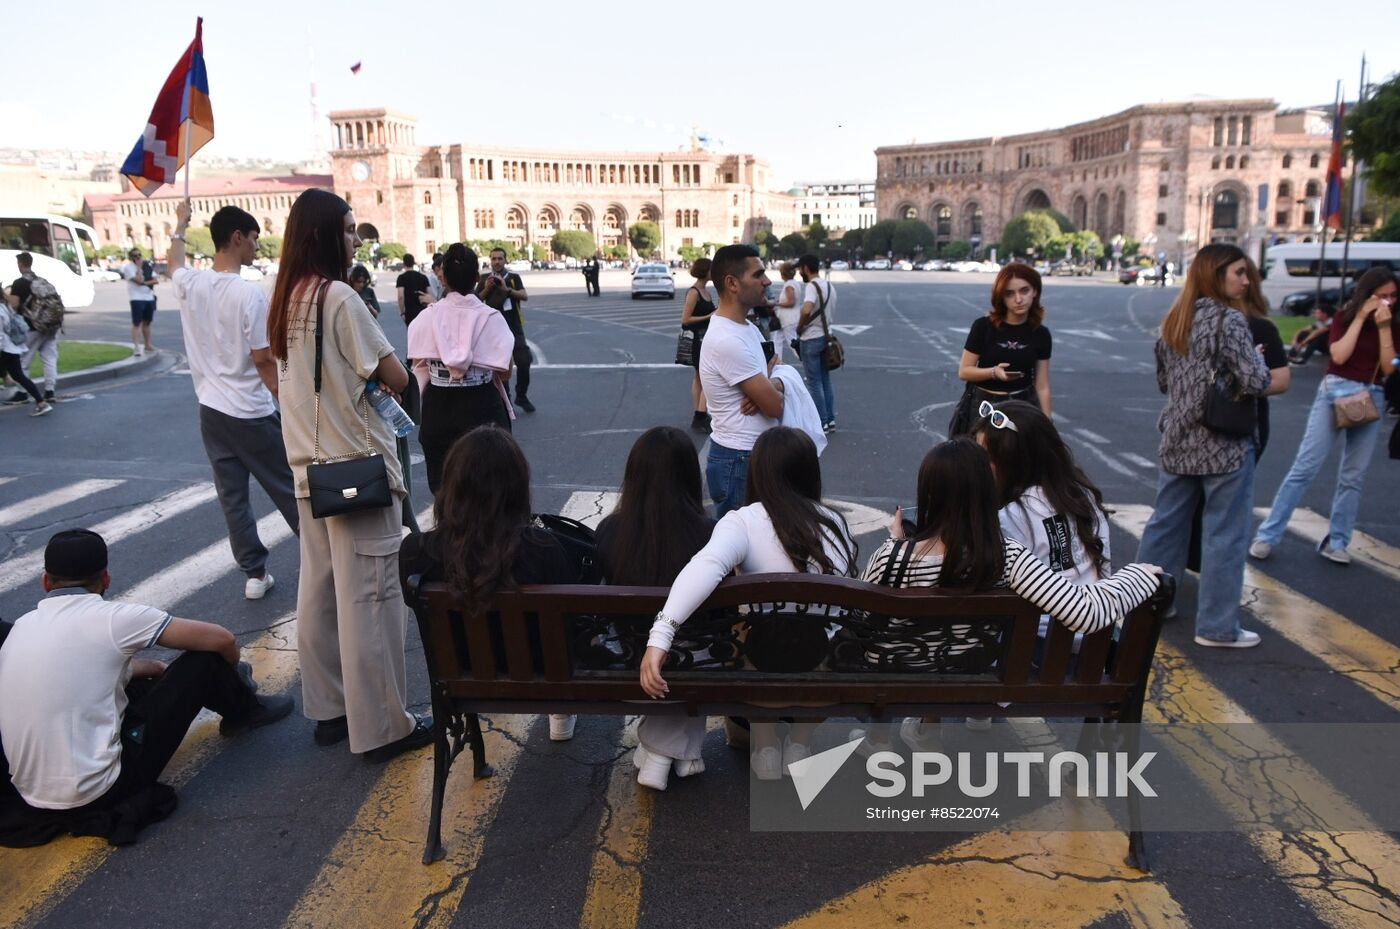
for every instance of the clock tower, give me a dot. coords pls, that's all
(375, 159)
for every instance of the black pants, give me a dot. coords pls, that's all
(240, 449)
(10, 364)
(160, 710)
(591, 280)
(520, 355)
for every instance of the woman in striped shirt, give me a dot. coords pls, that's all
(958, 542)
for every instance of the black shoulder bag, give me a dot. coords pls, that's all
(1227, 411)
(346, 483)
(835, 354)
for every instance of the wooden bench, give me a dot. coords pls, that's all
(576, 649)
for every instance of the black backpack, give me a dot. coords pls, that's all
(579, 542)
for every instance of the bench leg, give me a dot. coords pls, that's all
(1137, 850)
(442, 761)
(480, 768)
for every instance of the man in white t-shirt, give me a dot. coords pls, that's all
(141, 294)
(235, 378)
(86, 726)
(818, 302)
(741, 395)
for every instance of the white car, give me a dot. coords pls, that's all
(902, 265)
(103, 274)
(934, 264)
(653, 280)
(877, 264)
(518, 265)
(988, 267)
(840, 266)
(965, 267)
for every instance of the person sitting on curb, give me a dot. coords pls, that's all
(88, 728)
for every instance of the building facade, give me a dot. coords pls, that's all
(130, 219)
(425, 196)
(1170, 175)
(838, 206)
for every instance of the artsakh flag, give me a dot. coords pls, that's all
(1332, 200)
(182, 114)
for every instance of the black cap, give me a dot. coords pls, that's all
(75, 554)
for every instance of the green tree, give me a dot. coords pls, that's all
(690, 253)
(111, 251)
(537, 252)
(955, 250)
(392, 251)
(853, 239)
(1060, 219)
(879, 238)
(792, 245)
(365, 252)
(199, 241)
(767, 243)
(1030, 231)
(1389, 231)
(574, 243)
(912, 237)
(817, 235)
(484, 247)
(1375, 137)
(618, 252)
(270, 246)
(645, 237)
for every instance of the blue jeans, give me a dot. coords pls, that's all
(818, 378)
(1358, 443)
(727, 476)
(1224, 535)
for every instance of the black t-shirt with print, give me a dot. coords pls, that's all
(1019, 346)
(413, 283)
(1262, 332)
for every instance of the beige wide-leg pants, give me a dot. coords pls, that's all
(351, 624)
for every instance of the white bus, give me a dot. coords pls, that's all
(56, 242)
(1303, 259)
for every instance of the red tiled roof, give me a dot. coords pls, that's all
(237, 184)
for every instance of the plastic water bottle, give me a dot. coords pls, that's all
(385, 404)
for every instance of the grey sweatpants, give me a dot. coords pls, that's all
(239, 449)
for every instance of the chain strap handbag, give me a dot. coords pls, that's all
(1356, 409)
(1227, 411)
(835, 354)
(343, 484)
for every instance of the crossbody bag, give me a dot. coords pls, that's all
(1227, 411)
(1356, 409)
(346, 483)
(835, 354)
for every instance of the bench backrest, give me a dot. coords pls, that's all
(758, 640)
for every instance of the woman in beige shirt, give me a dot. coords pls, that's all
(351, 620)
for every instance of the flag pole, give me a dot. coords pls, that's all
(1322, 236)
(189, 157)
(1351, 189)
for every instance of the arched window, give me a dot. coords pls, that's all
(1315, 160)
(1219, 131)
(1226, 214)
(972, 220)
(515, 218)
(1285, 191)
(428, 197)
(1230, 163)
(1079, 212)
(1215, 163)
(943, 222)
(910, 213)
(1312, 189)
(1288, 161)
(678, 218)
(1244, 162)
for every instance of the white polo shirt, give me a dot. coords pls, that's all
(732, 353)
(63, 674)
(224, 318)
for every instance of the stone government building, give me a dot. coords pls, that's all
(426, 195)
(1171, 175)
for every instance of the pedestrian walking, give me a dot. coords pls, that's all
(14, 335)
(224, 319)
(504, 292)
(141, 294)
(813, 332)
(658, 526)
(1007, 352)
(741, 394)
(43, 309)
(1205, 357)
(789, 309)
(1346, 407)
(351, 624)
(590, 275)
(696, 311)
(460, 351)
(410, 285)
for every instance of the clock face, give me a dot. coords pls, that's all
(360, 170)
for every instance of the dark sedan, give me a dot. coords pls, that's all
(1303, 302)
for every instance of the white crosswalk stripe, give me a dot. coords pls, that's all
(170, 585)
(28, 509)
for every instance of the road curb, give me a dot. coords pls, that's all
(109, 371)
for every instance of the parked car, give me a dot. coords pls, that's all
(903, 265)
(1303, 302)
(518, 265)
(965, 267)
(103, 274)
(1066, 268)
(877, 264)
(987, 267)
(839, 265)
(1141, 275)
(653, 280)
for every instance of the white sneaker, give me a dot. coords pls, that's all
(1338, 555)
(919, 737)
(767, 764)
(1260, 549)
(561, 728)
(793, 752)
(45, 408)
(1246, 639)
(137, 351)
(255, 588)
(652, 770)
(685, 767)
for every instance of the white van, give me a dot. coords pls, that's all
(1302, 259)
(56, 242)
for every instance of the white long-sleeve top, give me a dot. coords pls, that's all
(743, 541)
(799, 410)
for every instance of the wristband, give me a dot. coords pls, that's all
(177, 237)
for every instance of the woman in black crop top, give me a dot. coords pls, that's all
(1007, 353)
(695, 317)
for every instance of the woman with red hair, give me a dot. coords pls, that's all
(1007, 353)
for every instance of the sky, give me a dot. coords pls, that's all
(813, 87)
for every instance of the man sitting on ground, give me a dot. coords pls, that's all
(87, 728)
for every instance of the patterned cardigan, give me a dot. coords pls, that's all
(1188, 447)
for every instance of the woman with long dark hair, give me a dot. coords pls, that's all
(350, 621)
(460, 350)
(695, 318)
(1205, 338)
(483, 539)
(784, 528)
(657, 528)
(1007, 353)
(958, 541)
(1364, 336)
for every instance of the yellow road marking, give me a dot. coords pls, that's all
(375, 875)
(1365, 549)
(1356, 653)
(33, 881)
(614, 899)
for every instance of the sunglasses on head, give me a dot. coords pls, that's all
(996, 417)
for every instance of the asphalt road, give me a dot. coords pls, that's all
(273, 831)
